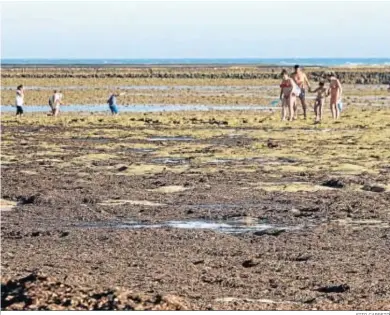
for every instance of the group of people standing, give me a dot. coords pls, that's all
(55, 101)
(293, 87)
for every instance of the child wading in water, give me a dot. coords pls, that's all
(335, 91)
(322, 93)
(288, 93)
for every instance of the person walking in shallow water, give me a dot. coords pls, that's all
(112, 103)
(54, 102)
(19, 101)
(301, 80)
(335, 90)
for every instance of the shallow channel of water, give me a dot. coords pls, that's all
(177, 138)
(136, 108)
(230, 227)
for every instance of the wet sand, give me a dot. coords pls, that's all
(196, 210)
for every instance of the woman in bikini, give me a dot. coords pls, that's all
(287, 96)
(335, 91)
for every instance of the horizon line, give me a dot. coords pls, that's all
(172, 58)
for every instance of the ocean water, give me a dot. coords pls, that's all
(325, 62)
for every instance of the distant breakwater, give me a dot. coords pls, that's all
(349, 76)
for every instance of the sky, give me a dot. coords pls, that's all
(194, 29)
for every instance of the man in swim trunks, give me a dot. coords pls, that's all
(300, 79)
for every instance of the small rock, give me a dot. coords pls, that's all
(250, 263)
(333, 289)
(198, 262)
(122, 168)
(301, 257)
(272, 232)
(334, 183)
(271, 144)
(295, 212)
(64, 234)
(374, 188)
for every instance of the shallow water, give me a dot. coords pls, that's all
(231, 227)
(90, 139)
(170, 160)
(144, 87)
(142, 150)
(136, 108)
(178, 138)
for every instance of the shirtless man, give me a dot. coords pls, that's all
(335, 91)
(300, 79)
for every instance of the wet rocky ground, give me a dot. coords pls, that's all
(196, 211)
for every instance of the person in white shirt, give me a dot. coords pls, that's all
(55, 102)
(19, 100)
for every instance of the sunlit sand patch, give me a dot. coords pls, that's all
(82, 174)
(7, 158)
(27, 172)
(94, 157)
(46, 153)
(289, 187)
(267, 301)
(141, 169)
(369, 223)
(286, 168)
(351, 169)
(7, 205)
(170, 138)
(49, 160)
(131, 202)
(169, 189)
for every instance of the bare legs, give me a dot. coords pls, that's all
(334, 109)
(292, 103)
(288, 105)
(56, 110)
(318, 109)
(284, 108)
(304, 108)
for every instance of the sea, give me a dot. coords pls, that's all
(322, 62)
